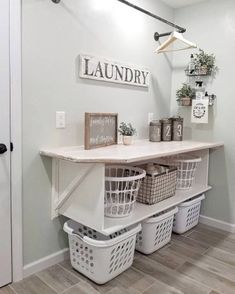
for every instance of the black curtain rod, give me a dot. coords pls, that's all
(156, 35)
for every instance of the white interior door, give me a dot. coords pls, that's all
(5, 194)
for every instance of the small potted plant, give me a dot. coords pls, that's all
(185, 95)
(127, 131)
(205, 63)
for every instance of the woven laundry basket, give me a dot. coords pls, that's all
(157, 186)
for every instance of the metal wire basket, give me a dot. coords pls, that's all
(157, 187)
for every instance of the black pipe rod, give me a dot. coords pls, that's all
(156, 35)
(180, 29)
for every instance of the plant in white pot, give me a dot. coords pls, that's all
(127, 131)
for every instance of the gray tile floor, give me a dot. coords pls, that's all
(201, 261)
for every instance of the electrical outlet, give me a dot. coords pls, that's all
(60, 119)
(150, 117)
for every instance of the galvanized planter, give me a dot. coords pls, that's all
(177, 134)
(185, 101)
(155, 131)
(166, 129)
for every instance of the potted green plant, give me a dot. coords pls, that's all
(185, 95)
(205, 63)
(127, 131)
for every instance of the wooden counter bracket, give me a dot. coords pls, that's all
(60, 199)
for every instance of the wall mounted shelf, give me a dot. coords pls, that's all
(196, 74)
(199, 77)
(143, 211)
(78, 180)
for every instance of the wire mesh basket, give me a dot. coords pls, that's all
(156, 231)
(186, 168)
(158, 186)
(121, 189)
(100, 257)
(188, 215)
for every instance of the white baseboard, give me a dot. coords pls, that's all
(217, 223)
(45, 262)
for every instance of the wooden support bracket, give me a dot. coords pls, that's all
(59, 199)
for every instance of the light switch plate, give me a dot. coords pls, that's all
(60, 119)
(150, 117)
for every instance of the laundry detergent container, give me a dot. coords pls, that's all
(100, 257)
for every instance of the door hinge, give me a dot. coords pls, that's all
(11, 147)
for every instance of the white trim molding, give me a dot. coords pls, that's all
(217, 223)
(16, 139)
(45, 262)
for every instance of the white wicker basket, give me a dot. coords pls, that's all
(99, 257)
(188, 215)
(121, 189)
(186, 165)
(156, 232)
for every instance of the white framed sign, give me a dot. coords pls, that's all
(101, 69)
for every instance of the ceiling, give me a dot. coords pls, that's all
(181, 3)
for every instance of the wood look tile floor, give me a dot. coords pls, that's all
(202, 261)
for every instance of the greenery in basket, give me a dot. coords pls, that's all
(203, 59)
(185, 91)
(126, 129)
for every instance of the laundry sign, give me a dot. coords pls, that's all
(199, 111)
(101, 69)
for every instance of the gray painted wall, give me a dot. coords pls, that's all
(53, 37)
(211, 24)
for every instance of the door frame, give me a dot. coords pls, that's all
(16, 139)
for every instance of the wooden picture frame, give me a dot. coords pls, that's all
(101, 129)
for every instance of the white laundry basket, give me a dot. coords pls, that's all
(187, 165)
(121, 189)
(156, 232)
(100, 257)
(188, 215)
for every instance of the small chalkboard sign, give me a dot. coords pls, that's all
(100, 129)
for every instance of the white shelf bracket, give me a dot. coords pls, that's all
(59, 199)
